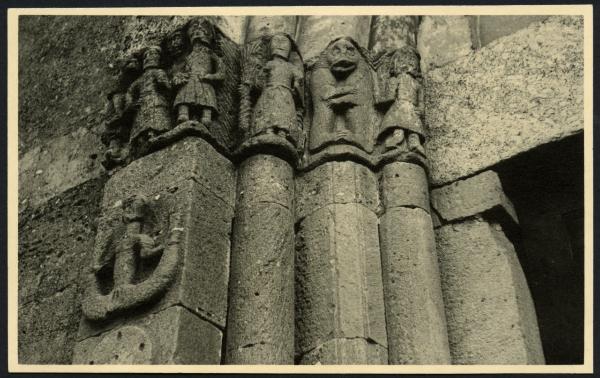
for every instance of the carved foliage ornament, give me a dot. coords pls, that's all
(114, 281)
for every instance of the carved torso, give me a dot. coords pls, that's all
(149, 94)
(404, 113)
(198, 91)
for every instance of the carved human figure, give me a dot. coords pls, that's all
(196, 99)
(403, 120)
(148, 95)
(133, 246)
(176, 46)
(276, 110)
(117, 117)
(342, 94)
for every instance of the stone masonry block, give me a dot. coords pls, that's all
(522, 91)
(315, 32)
(489, 309)
(268, 25)
(335, 183)
(339, 290)
(265, 178)
(443, 39)
(414, 308)
(172, 336)
(347, 352)
(404, 184)
(472, 196)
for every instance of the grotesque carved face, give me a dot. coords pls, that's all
(343, 56)
(280, 46)
(200, 31)
(152, 57)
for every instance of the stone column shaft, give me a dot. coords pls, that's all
(415, 318)
(261, 307)
(339, 297)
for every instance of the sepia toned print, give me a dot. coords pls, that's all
(301, 190)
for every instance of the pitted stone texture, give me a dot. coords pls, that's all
(393, 32)
(48, 170)
(315, 32)
(521, 91)
(489, 310)
(346, 351)
(269, 25)
(260, 327)
(472, 196)
(490, 28)
(266, 178)
(414, 308)
(443, 39)
(339, 291)
(191, 158)
(186, 182)
(171, 336)
(335, 183)
(404, 184)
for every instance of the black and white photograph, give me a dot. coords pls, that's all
(315, 188)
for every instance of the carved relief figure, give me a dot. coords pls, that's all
(342, 94)
(400, 85)
(124, 254)
(196, 99)
(148, 95)
(276, 86)
(117, 116)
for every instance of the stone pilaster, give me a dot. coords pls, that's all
(261, 307)
(159, 275)
(489, 309)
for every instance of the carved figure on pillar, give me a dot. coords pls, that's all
(196, 99)
(123, 255)
(273, 89)
(341, 85)
(148, 95)
(117, 116)
(400, 92)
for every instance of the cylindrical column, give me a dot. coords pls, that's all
(339, 296)
(260, 325)
(414, 308)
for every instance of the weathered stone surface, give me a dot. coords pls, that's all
(404, 184)
(393, 32)
(191, 158)
(46, 170)
(347, 352)
(315, 32)
(339, 290)
(443, 39)
(260, 325)
(172, 336)
(47, 328)
(490, 28)
(335, 183)
(538, 74)
(414, 308)
(202, 278)
(269, 25)
(472, 196)
(489, 310)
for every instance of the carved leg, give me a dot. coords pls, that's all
(183, 113)
(414, 143)
(206, 116)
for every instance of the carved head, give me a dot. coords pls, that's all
(152, 57)
(201, 31)
(343, 56)
(280, 46)
(135, 209)
(175, 43)
(131, 63)
(406, 60)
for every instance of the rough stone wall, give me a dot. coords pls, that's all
(66, 74)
